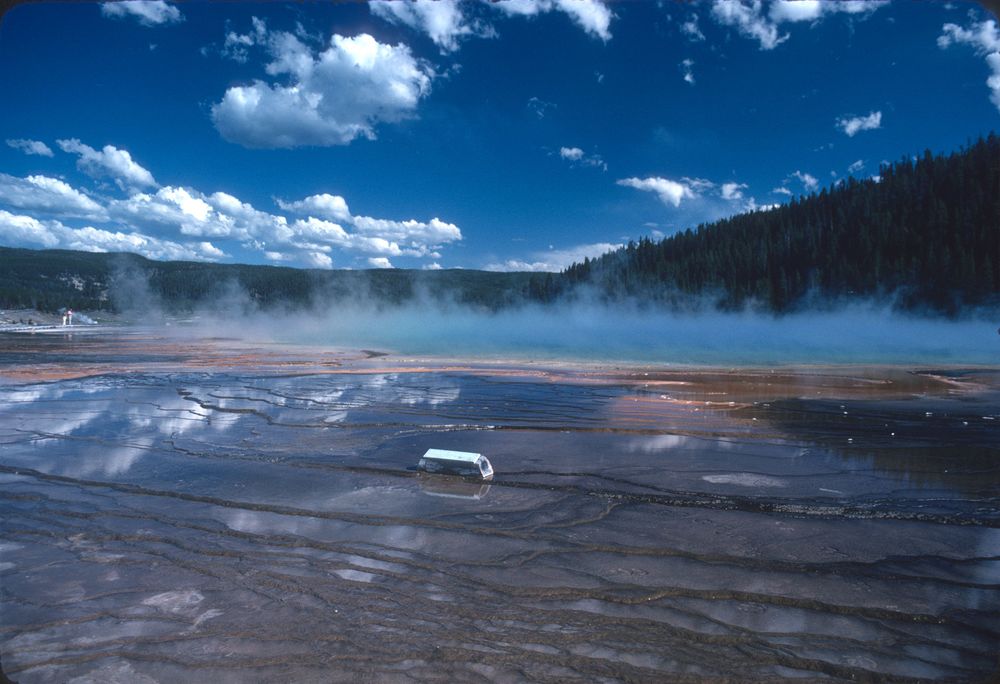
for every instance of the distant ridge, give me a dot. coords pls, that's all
(49, 279)
(926, 232)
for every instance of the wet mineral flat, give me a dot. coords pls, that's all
(212, 511)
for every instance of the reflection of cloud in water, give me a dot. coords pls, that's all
(114, 670)
(117, 462)
(988, 571)
(175, 601)
(328, 399)
(6, 549)
(745, 480)
(391, 390)
(658, 443)
(100, 412)
(98, 460)
(355, 575)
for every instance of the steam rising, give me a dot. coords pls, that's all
(583, 330)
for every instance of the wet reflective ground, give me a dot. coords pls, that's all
(214, 511)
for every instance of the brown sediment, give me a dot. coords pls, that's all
(60, 359)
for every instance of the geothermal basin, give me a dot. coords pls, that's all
(205, 509)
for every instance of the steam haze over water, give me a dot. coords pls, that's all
(856, 335)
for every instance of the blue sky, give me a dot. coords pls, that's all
(512, 135)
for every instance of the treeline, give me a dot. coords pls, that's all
(51, 279)
(926, 232)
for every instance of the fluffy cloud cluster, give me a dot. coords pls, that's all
(733, 191)
(750, 20)
(571, 153)
(237, 45)
(446, 22)
(687, 66)
(342, 91)
(322, 226)
(195, 214)
(35, 147)
(109, 162)
(146, 12)
(713, 199)
(554, 260)
(330, 97)
(691, 29)
(670, 192)
(576, 155)
(18, 229)
(327, 206)
(141, 221)
(985, 40)
(809, 183)
(592, 16)
(442, 20)
(753, 20)
(50, 196)
(851, 126)
(812, 10)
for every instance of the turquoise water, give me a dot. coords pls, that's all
(859, 335)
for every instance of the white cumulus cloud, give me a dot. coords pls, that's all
(237, 45)
(49, 234)
(36, 147)
(571, 153)
(851, 126)
(380, 262)
(442, 20)
(16, 229)
(592, 16)
(420, 237)
(327, 98)
(670, 191)
(108, 162)
(812, 10)
(148, 222)
(318, 260)
(577, 156)
(324, 205)
(146, 12)
(753, 20)
(748, 18)
(687, 67)
(691, 30)
(808, 181)
(985, 40)
(194, 213)
(733, 191)
(50, 196)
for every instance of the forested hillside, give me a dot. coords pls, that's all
(927, 232)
